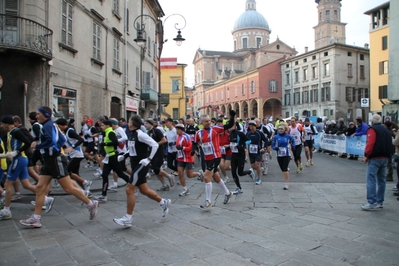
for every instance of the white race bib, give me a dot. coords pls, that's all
(233, 147)
(222, 150)
(282, 152)
(192, 137)
(132, 148)
(253, 148)
(179, 154)
(207, 148)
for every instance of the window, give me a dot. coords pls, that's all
(127, 20)
(137, 77)
(296, 63)
(116, 54)
(149, 46)
(325, 111)
(325, 92)
(331, 112)
(222, 95)
(366, 93)
(236, 91)
(296, 76)
(350, 74)
(320, 16)
(305, 74)
(383, 92)
(228, 93)
(216, 96)
(315, 95)
(326, 69)
(126, 70)
(175, 86)
(242, 89)
(305, 60)
(335, 14)
(287, 99)
(244, 43)
(362, 57)
(314, 57)
(253, 87)
(327, 14)
(287, 65)
(175, 114)
(384, 42)
(116, 6)
(147, 79)
(325, 53)
(314, 72)
(96, 41)
(305, 97)
(361, 74)
(297, 98)
(273, 85)
(383, 67)
(258, 42)
(66, 28)
(314, 112)
(349, 53)
(359, 94)
(287, 78)
(348, 94)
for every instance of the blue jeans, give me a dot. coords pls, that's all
(376, 172)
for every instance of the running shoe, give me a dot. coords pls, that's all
(227, 180)
(175, 173)
(16, 197)
(101, 198)
(48, 204)
(165, 207)
(171, 180)
(164, 188)
(206, 205)
(2, 201)
(311, 163)
(5, 215)
(124, 221)
(93, 209)
(395, 188)
(258, 181)
(265, 170)
(87, 185)
(113, 188)
(298, 170)
(34, 204)
(55, 183)
(286, 186)
(97, 174)
(201, 175)
(300, 166)
(88, 165)
(237, 191)
(185, 192)
(227, 198)
(252, 173)
(307, 164)
(31, 222)
(369, 207)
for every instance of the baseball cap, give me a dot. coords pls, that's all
(180, 126)
(252, 122)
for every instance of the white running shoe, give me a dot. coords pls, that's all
(165, 207)
(124, 221)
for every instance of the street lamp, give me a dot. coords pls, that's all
(141, 40)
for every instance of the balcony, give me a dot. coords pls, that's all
(17, 33)
(149, 94)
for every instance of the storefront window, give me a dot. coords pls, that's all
(64, 101)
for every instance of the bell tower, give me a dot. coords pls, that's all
(330, 28)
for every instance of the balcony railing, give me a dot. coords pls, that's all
(149, 94)
(24, 34)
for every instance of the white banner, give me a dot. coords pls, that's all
(333, 142)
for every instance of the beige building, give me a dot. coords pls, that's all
(79, 57)
(331, 81)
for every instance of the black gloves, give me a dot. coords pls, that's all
(232, 112)
(171, 144)
(179, 147)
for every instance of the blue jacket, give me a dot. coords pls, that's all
(280, 143)
(51, 139)
(362, 130)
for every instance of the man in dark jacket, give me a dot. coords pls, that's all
(376, 153)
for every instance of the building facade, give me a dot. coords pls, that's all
(331, 81)
(78, 57)
(238, 80)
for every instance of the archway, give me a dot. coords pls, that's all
(254, 108)
(272, 107)
(245, 110)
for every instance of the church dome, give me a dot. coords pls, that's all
(251, 18)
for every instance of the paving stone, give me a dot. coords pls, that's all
(51, 256)
(164, 253)
(335, 253)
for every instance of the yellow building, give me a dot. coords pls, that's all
(379, 56)
(172, 83)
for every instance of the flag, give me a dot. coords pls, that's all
(168, 63)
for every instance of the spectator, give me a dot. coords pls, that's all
(389, 177)
(341, 130)
(361, 128)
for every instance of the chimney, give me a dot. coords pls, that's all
(366, 45)
(306, 49)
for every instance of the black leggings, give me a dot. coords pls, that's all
(238, 161)
(283, 162)
(114, 165)
(172, 161)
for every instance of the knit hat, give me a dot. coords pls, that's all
(252, 122)
(7, 120)
(180, 126)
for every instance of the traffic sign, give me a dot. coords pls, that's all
(364, 102)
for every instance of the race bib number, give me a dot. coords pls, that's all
(253, 148)
(207, 148)
(179, 154)
(222, 150)
(282, 152)
(132, 148)
(192, 137)
(233, 147)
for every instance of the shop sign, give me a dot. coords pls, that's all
(64, 92)
(132, 104)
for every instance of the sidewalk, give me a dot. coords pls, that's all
(313, 223)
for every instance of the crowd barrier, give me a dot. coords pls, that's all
(341, 143)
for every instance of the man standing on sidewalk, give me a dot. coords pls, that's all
(55, 166)
(376, 153)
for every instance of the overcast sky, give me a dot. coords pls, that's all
(209, 24)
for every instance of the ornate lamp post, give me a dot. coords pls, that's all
(141, 40)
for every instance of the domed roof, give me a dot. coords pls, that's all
(251, 18)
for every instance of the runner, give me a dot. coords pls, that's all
(184, 158)
(55, 166)
(310, 132)
(209, 139)
(256, 148)
(138, 145)
(225, 162)
(299, 134)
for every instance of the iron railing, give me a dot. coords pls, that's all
(25, 34)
